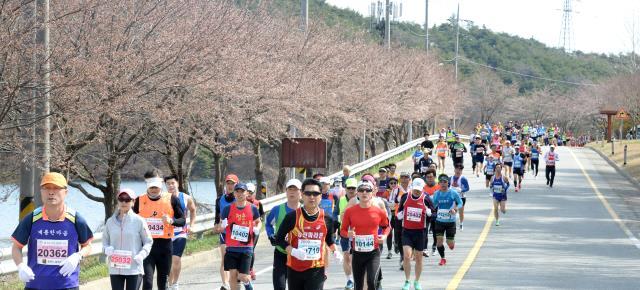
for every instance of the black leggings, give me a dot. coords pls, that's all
(312, 279)
(160, 258)
(132, 282)
(397, 236)
(365, 263)
(279, 270)
(534, 166)
(253, 256)
(550, 173)
(390, 236)
(431, 224)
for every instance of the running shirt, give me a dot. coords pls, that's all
(239, 232)
(415, 211)
(311, 237)
(457, 150)
(431, 189)
(518, 161)
(441, 149)
(551, 158)
(181, 232)
(489, 167)
(445, 201)
(498, 186)
(479, 150)
(460, 184)
(507, 154)
(328, 203)
(274, 220)
(365, 222)
(49, 243)
(535, 153)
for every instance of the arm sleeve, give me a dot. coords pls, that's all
(384, 224)
(465, 184)
(22, 232)
(336, 210)
(329, 239)
(216, 214)
(346, 221)
(105, 236)
(225, 213)
(458, 200)
(270, 221)
(287, 225)
(178, 215)
(145, 236)
(261, 211)
(256, 212)
(85, 235)
(403, 199)
(136, 205)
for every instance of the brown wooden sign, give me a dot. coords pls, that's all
(304, 153)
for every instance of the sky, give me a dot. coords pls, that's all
(600, 26)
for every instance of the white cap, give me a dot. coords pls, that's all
(417, 184)
(294, 182)
(365, 184)
(154, 182)
(251, 187)
(325, 180)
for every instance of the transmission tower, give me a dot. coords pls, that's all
(566, 32)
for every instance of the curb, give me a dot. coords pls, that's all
(620, 171)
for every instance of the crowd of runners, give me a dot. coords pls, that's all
(351, 219)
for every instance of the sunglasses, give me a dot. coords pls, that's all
(365, 190)
(393, 183)
(124, 199)
(351, 188)
(312, 193)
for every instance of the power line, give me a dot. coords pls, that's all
(525, 75)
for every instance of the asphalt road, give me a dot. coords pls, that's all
(571, 236)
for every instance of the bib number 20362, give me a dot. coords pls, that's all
(51, 252)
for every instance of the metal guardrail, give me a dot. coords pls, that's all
(206, 221)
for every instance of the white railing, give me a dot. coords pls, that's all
(206, 221)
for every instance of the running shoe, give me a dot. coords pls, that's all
(461, 227)
(433, 251)
(175, 287)
(425, 253)
(224, 287)
(416, 285)
(443, 262)
(497, 222)
(389, 255)
(349, 285)
(517, 189)
(407, 285)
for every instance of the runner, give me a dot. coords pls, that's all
(393, 184)
(535, 158)
(361, 223)
(518, 170)
(126, 241)
(162, 212)
(451, 136)
(417, 155)
(397, 193)
(425, 162)
(419, 208)
(550, 159)
(305, 234)
(329, 198)
(507, 158)
(457, 151)
(53, 257)
(430, 188)
(392, 170)
(441, 151)
(427, 144)
(499, 187)
(251, 198)
(241, 221)
(479, 150)
(179, 240)
(383, 183)
(224, 200)
(274, 220)
(345, 243)
(461, 185)
(489, 169)
(445, 200)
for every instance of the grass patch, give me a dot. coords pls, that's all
(93, 268)
(633, 154)
(395, 159)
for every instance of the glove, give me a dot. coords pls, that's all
(108, 251)
(224, 223)
(25, 273)
(70, 264)
(272, 239)
(429, 213)
(338, 256)
(299, 254)
(256, 229)
(400, 215)
(139, 258)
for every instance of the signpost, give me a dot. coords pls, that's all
(304, 153)
(621, 115)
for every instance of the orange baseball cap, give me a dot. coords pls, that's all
(54, 178)
(232, 177)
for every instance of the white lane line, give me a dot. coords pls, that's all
(267, 269)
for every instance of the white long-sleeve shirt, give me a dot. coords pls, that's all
(550, 158)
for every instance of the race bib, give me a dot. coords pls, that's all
(120, 259)
(51, 252)
(479, 150)
(423, 169)
(489, 171)
(156, 226)
(458, 153)
(498, 189)
(311, 247)
(534, 155)
(414, 214)
(444, 214)
(240, 233)
(364, 243)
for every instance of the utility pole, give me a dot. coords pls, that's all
(457, 54)
(387, 25)
(304, 5)
(426, 26)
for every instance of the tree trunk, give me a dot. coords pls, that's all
(219, 166)
(109, 192)
(358, 142)
(372, 144)
(329, 152)
(340, 148)
(386, 139)
(259, 172)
